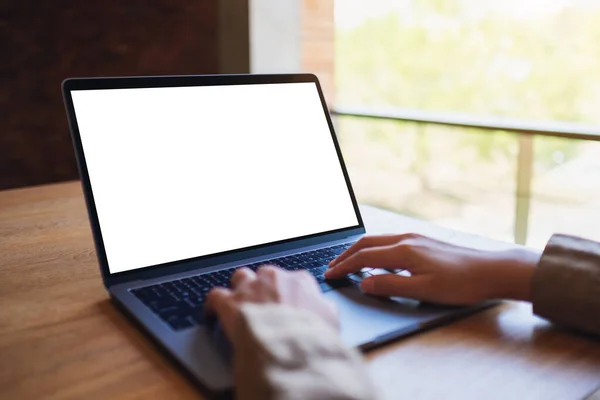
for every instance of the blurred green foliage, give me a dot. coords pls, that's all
(442, 55)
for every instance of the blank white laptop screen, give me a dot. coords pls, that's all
(182, 172)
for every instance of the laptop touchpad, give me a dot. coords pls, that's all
(366, 318)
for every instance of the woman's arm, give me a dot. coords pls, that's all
(563, 282)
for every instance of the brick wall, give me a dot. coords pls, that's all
(43, 42)
(317, 24)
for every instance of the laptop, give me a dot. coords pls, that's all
(187, 178)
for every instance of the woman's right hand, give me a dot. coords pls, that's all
(440, 272)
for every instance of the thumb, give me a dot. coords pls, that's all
(394, 285)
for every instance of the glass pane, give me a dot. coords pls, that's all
(460, 178)
(565, 191)
(534, 59)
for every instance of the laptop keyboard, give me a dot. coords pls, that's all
(179, 302)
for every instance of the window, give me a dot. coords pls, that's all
(535, 61)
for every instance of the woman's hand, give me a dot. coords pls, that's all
(439, 272)
(269, 285)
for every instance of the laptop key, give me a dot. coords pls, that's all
(179, 323)
(340, 283)
(194, 301)
(198, 316)
(325, 287)
(220, 280)
(159, 304)
(314, 264)
(168, 310)
(186, 282)
(355, 278)
(145, 293)
(197, 281)
(253, 267)
(159, 291)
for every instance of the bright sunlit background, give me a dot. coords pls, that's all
(526, 60)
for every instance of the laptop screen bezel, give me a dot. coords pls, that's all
(153, 271)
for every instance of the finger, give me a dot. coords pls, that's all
(364, 242)
(216, 301)
(242, 275)
(306, 280)
(395, 285)
(220, 302)
(268, 273)
(371, 241)
(305, 276)
(376, 257)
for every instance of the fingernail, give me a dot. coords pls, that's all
(328, 272)
(332, 262)
(367, 285)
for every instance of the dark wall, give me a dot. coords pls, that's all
(43, 42)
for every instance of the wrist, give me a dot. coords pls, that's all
(513, 273)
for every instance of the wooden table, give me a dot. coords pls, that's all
(61, 338)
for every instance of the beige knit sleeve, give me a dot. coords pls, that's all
(286, 353)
